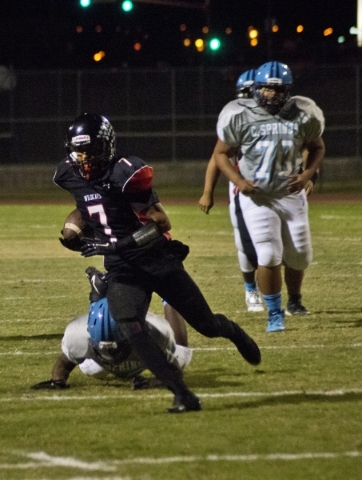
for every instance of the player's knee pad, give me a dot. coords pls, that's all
(299, 260)
(268, 255)
(244, 263)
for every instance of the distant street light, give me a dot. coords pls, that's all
(359, 23)
(127, 5)
(214, 44)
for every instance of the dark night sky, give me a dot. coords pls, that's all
(42, 33)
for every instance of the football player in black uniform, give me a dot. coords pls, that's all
(115, 197)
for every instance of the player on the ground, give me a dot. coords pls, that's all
(115, 197)
(94, 343)
(269, 133)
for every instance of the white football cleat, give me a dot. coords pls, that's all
(253, 301)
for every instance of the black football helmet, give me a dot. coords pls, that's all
(90, 145)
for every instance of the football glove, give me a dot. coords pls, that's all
(73, 244)
(143, 236)
(140, 383)
(51, 385)
(92, 247)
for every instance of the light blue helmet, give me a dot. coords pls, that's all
(244, 85)
(105, 336)
(276, 76)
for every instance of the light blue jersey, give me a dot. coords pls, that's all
(270, 146)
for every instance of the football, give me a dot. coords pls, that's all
(75, 226)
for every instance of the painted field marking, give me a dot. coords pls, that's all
(32, 297)
(127, 396)
(208, 349)
(42, 459)
(242, 458)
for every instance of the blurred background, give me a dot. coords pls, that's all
(161, 71)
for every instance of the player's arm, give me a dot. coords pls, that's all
(315, 154)
(62, 368)
(212, 176)
(222, 153)
(60, 373)
(316, 151)
(157, 214)
(309, 186)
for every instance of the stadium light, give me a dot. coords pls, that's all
(85, 3)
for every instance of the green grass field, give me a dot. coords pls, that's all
(298, 415)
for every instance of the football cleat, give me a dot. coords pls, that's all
(276, 321)
(247, 347)
(98, 284)
(296, 308)
(253, 301)
(185, 403)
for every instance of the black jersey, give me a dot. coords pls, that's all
(113, 205)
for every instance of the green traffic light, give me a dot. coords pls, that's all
(127, 5)
(85, 3)
(214, 44)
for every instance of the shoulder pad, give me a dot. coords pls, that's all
(140, 181)
(302, 103)
(239, 105)
(132, 175)
(75, 339)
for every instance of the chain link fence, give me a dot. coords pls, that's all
(163, 115)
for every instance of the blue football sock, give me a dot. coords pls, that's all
(250, 287)
(273, 302)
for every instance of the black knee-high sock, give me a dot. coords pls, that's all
(227, 328)
(157, 363)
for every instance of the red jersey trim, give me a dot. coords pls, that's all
(140, 181)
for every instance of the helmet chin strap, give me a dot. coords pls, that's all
(273, 104)
(272, 108)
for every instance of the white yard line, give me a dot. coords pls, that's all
(211, 349)
(33, 397)
(32, 297)
(42, 459)
(281, 347)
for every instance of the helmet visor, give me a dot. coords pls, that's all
(84, 152)
(90, 160)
